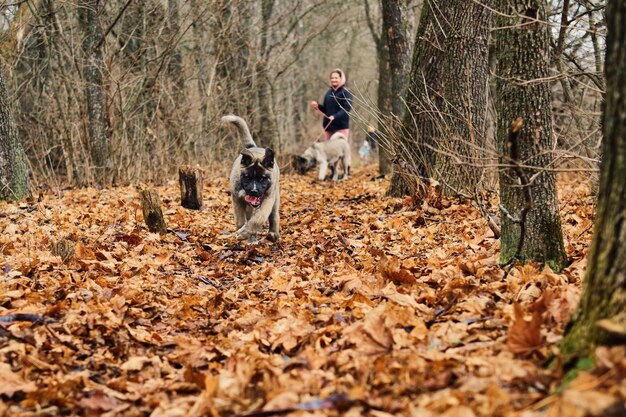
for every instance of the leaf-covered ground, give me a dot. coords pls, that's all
(368, 306)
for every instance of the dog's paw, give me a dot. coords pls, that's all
(244, 234)
(273, 237)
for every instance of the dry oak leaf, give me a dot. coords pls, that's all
(574, 403)
(371, 336)
(135, 363)
(204, 405)
(459, 411)
(99, 401)
(12, 382)
(391, 268)
(391, 293)
(285, 399)
(524, 336)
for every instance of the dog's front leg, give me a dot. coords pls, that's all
(255, 222)
(322, 174)
(239, 210)
(246, 233)
(274, 234)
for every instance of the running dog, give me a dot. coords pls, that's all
(254, 186)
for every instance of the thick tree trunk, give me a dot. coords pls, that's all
(466, 75)
(522, 91)
(13, 168)
(414, 148)
(604, 293)
(96, 112)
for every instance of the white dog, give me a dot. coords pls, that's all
(326, 154)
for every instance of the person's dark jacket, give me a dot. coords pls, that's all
(337, 103)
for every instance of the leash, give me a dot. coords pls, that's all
(324, 130)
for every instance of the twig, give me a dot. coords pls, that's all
(339, 402)
(33, 318)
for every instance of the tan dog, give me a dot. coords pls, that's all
(326, 154)
(254, 186)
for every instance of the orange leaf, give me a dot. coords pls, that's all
(525, 336)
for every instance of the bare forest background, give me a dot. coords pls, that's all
(169, 70)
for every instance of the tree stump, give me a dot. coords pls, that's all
(190, 181)
(152, 214)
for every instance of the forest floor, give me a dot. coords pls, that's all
(368, 306)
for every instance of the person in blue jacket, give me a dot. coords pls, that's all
(336, 106)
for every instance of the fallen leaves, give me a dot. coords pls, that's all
(368, 306)
(12, 382)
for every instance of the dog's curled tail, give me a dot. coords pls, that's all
(242, 127)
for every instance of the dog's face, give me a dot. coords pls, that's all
(303, 164)
(256, 175)
(307, 161)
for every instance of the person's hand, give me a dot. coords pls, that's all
(314, 105)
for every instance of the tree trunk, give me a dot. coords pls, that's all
(203, 75)
(13, 168)
(267, 128)
(96, 112)
(395, 26)
(522, 91)
(604, 292)
(397, 51)
(384, 104)
(383, 93)
(413, 149)
(235, 63)
(174, 115)
(466, 76)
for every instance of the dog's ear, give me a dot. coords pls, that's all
(268, 160)
(246, 158)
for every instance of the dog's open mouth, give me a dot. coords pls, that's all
(253, 201)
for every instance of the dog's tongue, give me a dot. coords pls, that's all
(255, 201)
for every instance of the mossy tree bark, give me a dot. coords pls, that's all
(466, 75)
(421, 123)
(522, 92)
(13, 167)
(604, 292)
